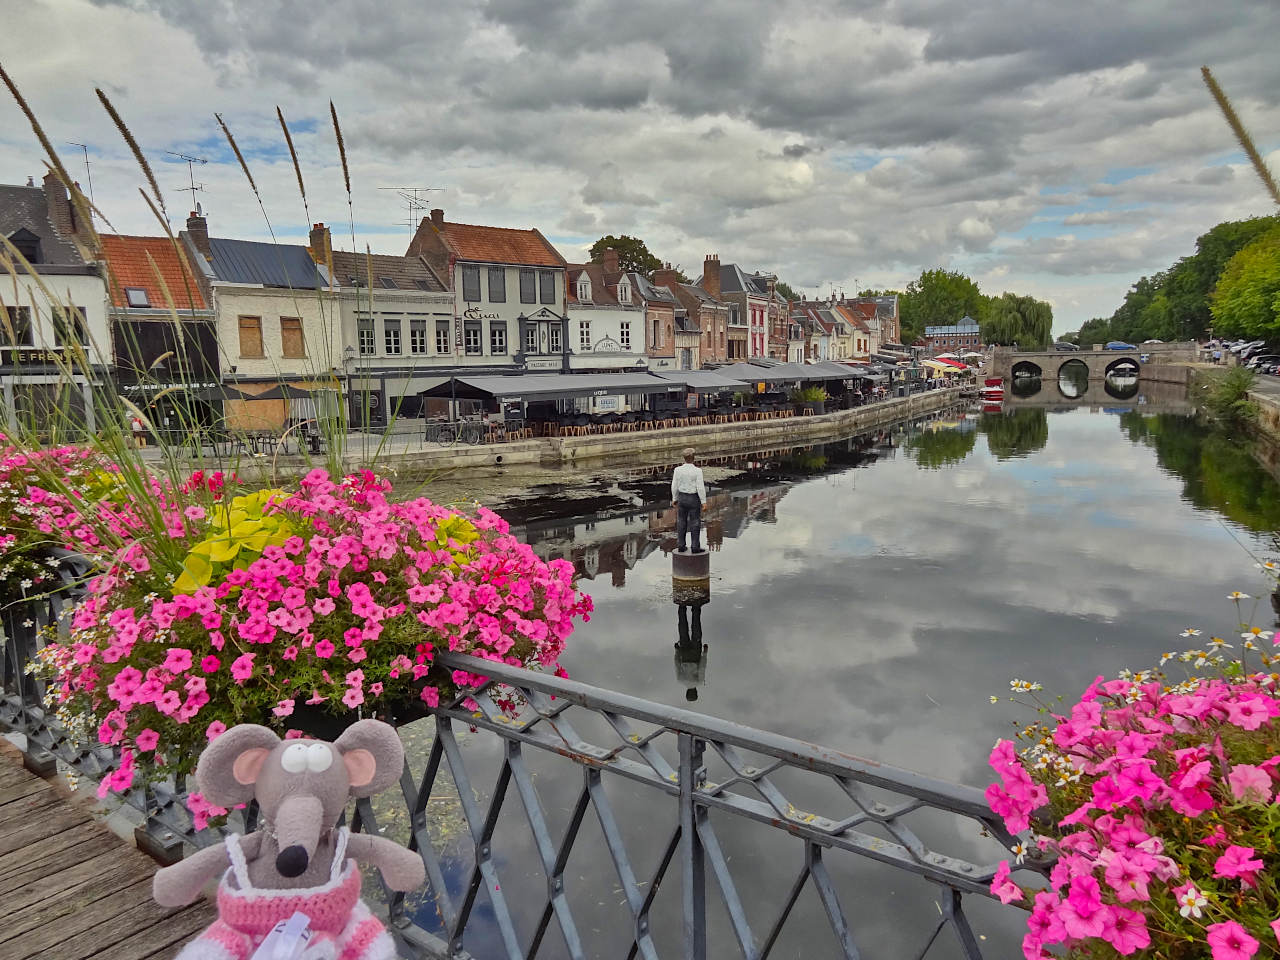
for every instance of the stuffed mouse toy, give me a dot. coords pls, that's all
(298, 861)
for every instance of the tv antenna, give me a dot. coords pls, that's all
(88, 176)
(191, 176)
(414, 202)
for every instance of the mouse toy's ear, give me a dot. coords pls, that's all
(373, 755)
(228, 768)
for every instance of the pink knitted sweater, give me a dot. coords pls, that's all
(246, 914)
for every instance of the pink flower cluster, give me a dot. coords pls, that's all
(348, 613)
(1162, 801)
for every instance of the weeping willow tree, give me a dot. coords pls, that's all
(1011, 318)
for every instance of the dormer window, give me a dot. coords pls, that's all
(28, 244)
(624, 291)
(136, 297)
(584, 289)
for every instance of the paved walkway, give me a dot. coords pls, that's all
(69, 888)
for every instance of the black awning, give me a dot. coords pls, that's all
(551, 386)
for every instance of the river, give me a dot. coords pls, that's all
(871, 595)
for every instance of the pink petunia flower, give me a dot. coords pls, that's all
(1249, 784)
(283, 709)
(147, 739)
(215, 730)
(1236, 862)
(210, 664)
(242, 667)
(1230, 941)
(1003, 887)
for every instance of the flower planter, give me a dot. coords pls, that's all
(813, 407)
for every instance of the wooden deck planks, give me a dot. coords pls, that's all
(72, 890)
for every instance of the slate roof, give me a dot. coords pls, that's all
(648, 291)
(268, 264)
(701, 294)
(129, 267)
(408, 273)
(27, 207)
(499, 245)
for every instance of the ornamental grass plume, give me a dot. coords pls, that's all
(329, 596)
(1160, 800)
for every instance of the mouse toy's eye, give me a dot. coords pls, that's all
(319, 757)
(294, 758)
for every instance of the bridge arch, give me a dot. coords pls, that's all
(1073, 378)
(1026, 368)
(1122, 366)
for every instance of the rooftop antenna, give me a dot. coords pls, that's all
(414, 202)
(88, 176)
(191, 176)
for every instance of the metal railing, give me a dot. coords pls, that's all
(526, 879)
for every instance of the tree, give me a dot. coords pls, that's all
(1017, 433)
(1247, 300)
(1011, 319)
(785, 291)
(938, 297)
(633, 255)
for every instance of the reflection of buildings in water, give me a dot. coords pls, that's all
(691, 652)
(727, 514)
(594, 547)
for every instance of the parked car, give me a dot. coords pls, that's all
(1153, 341)
(1064, 346)
(1256, 362)
(1120, 345)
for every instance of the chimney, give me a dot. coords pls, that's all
(711, 275)
(321, 243)
(666, 277)
(437, 217)
(198, 231)
(59, 204)
(610, 261)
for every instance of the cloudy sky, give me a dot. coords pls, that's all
(1043, 147)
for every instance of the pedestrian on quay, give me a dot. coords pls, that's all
(688, 496)
(139, 432)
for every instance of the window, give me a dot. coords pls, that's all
(28, 244)
(68, 331)
(364, 328)
(251, 337)
(422, 284)
(292, 344)
(442, 336)
(547, 286)
(625, 337)
(497, 339)
(388, 283)
(584, 336)
(19, 333)
(553, 338)
(584, 289)
(531, 339)
(471, 340)
(136, 297)
(528, 286)
(471, 284)
(497, 284)
(418, 336)
(624, 291)
(391, 337)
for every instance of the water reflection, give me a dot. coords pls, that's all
(1122, 386)
(1026, 386)
(871, 600)
(691, 652)
(1073, 379)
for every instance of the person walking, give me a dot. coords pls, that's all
(688, 496)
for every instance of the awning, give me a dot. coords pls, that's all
(831, 370)
(289, 391)
(781, 373)
(550, 386)
(703, 381)
(955, 364)
(938, 365)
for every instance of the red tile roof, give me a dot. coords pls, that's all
(129, 267)
(500, 245)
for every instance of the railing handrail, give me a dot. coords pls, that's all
(821, 759)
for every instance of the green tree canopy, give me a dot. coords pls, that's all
(935, 449)
(1015, 433)
(1247, 301)
(1011, 319)
(938, 297)
(784, 289)
(633, 255)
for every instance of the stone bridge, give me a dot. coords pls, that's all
(1097, 364)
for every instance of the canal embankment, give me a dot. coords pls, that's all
(412, 454)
